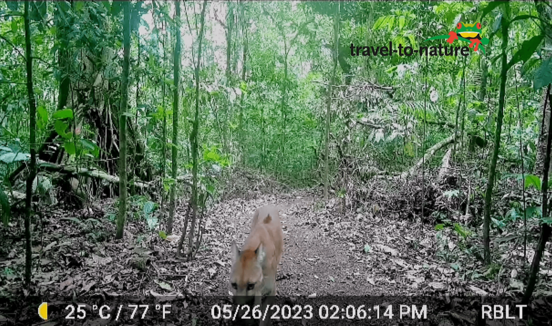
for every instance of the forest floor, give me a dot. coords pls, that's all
(327, 253)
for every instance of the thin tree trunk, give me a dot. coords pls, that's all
(64, 81)
(194, 137)
(456, 126)
(123, 125)
(164, 146)
(229, 31)
(496, 149)
(329, 106)
(545, 13)
(244, 61)
(135, 159)
(545, 228)
(32, 143)
(176, 102)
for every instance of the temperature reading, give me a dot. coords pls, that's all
(80, 312)
(135, 307)
(136, 311)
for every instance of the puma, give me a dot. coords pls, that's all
(254, 267)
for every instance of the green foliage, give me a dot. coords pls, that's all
(532, 181)
(11, 157)
(526, 51)
(451, 193)
(162, 235)
(461, 231)
(152, 221)
(543, 75)
(42, 120)
(63, 114)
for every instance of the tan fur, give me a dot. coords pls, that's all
(258, 261)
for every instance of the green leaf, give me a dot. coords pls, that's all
(60, 127)
(63, 114)
(543, 75)
(70, 148)
(43, 117)
(13, 5)
(461, 231)
(402, 20)
(116, 7)
(497, 23)
(455, 266)
(162, 235)
(6, 209)
(38, 10)
(526, 51)
(149, 207)
(11, 157)
(489, 8)
(390, 23)
(90, 147)
(152, 222)
(439, 227)
(79, 5)
(367, 248)
(65, 6)
(532, 180)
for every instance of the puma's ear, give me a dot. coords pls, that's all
(260, 254)
(235, 252)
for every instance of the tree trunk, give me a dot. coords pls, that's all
(64, 57)
(244, 61)
(176, 102)
(32, 143)
(229, 32)
(545, 13)
(194, 138)
(123, 124)
(329, 106)
(545, 228)
(496, 149)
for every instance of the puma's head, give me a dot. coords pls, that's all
(247, 273)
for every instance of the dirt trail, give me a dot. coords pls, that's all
(328, 253)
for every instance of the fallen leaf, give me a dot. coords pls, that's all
(367, 248)
(516, 284)
(172, 237)
(437, 285)
(164, 285)
(477, 290)
(48, 247)
(65, 283)
(88, 286)
(212, 272)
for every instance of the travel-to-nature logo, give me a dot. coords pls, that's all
(466, 33)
